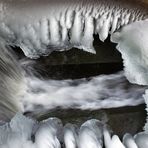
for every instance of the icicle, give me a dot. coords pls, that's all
(54, 31)
(127, 18)
(70, 136)
(129, 141)
(113, 142)
(91, 134)
(141, 140)
(116, 143)
(37, 27)
(64, 30)
(114, 23)
(44, 34)
(97, 27)
(47, 134)
(103, 33)
(69, 18)
(132, 43)
(76, 31)
(107, 138)
(87, 39)
(99, 23)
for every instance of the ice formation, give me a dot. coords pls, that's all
(47, 134)
(20, 131)
(132, 43)
(112, 142)
(46, 26)
(91, 134)
(129, 141)
(17, 133)
(38, 28)
(70, 136)
(27, 133)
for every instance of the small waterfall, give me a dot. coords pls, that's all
(11, 83)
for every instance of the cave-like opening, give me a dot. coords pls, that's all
(78, 64)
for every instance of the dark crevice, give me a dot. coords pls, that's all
(75, 63)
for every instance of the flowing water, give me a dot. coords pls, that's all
(104, 91)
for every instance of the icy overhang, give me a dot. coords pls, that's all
(40, 27)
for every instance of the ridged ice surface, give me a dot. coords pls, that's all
(43, 27)
(70, 136)
(22, 132)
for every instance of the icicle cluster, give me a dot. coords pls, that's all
(39, 31)
(27, 133)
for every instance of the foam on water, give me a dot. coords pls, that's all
(104, 91)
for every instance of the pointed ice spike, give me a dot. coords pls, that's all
(107, 138)
(70, 136)
(114, 23)
(116, 143)
(91, 134)
(129, 141)
(54, 31)
(47, 134)
(87, 38)
(113, 142)
(141, 140)
(104, 31)
(76, 31)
